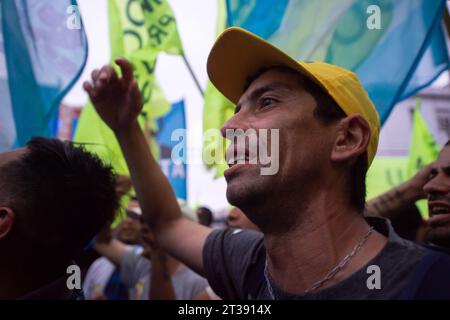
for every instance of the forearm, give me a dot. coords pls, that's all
(156, 197)
(161, 287)
(112, 250)
(391, 203)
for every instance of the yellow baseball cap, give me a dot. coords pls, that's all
(239, 54)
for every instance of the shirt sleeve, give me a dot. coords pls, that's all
(233, 262)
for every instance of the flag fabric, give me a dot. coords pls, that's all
(43, 50)
(395, 46)
(401, 53)
(216, 109)
(138, 31)
(171, 137)
(162, 28)
(384, 174)
(422, 151)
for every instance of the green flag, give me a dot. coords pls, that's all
(216, 110)
(161, 27)
(422, 151)
(384, 174)
(139, 31)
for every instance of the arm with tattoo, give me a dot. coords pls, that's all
(391, 203)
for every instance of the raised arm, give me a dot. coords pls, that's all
(391, 203)
(109, 247)
(118, 102)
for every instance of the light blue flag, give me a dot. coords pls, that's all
(396, 47)
(43, 49)
(171, 138)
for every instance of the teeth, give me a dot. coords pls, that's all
(440, 210)
(241, 159)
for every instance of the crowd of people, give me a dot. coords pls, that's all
(305, 232)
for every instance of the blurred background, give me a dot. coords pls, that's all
(399, 48)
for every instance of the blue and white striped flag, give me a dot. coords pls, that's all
(174, 168)
(43, 49)
(396, 47)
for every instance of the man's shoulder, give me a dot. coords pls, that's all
(233, 261)
(430, 279)
(237, 242)
(236, 235)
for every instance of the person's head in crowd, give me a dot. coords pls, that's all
(438, 192)
(54, 198)
(129, 229)
(237, 219)
(205, 216)
(325, 147)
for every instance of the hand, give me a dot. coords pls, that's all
(417, 182)
(117, 100)
(148, 242)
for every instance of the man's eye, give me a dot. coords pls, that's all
(446, 170)
(267, 102)
(432, 174)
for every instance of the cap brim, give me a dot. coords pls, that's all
(239, 54)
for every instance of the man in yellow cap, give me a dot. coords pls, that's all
(315, 242)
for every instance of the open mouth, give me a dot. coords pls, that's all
(439, 214)
(241, 159)
(235, 157)
(238, 160)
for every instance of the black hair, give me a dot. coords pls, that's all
(61, 194)
(328, 111)
(205, 216)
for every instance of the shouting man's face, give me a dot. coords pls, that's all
(438, 191)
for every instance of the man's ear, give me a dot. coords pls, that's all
(352, 138)
(7, 217)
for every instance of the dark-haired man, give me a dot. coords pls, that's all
(238, 220)
(315, 243)
(432, 183)
(205, 216)
(54, 198)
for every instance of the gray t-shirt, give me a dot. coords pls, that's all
(234, 262)
(135, 274)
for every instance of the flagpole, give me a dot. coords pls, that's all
(197, 83)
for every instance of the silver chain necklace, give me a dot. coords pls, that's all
(331, 273)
